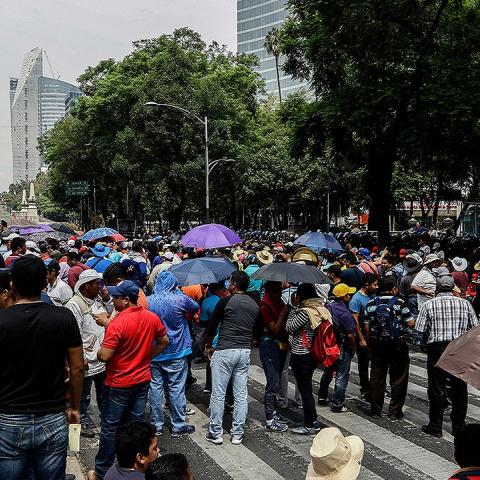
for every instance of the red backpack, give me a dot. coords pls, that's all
(324, 348)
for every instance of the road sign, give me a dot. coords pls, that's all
(76, 189)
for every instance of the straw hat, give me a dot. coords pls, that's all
(305, 254)
(459, 264)
(237, 253)
(335, 457)
(430, 258)
(265, 257)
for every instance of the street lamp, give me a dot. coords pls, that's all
(204, 123)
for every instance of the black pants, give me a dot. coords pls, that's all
(303, 367)
(391, 358)
(363, 357)
(437, 396)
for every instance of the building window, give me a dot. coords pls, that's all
(26, 129)
(26, 91)
(26, 104)
(26, 116)
(26, 153)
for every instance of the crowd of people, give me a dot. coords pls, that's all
(111, 317)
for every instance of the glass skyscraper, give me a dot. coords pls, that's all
(255, 18)
(36, 104)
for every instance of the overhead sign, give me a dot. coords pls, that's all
(76, 189)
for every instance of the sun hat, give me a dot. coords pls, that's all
(127, 288)
(335, 457)
(477, 266)
(264, 256)
(436, 246)
(430, 258)
(100, 250)
(86, 276)
(413, 262)
(343, 289)
(305, 254)
(238, 253)
(441, 271)
(459, 264)
(445, 283)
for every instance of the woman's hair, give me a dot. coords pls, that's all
(306, 291)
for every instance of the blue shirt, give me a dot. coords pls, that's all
(254, 285)
(98, 264)
(359, 302)
(208, 306)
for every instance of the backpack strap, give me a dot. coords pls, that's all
(392, 302)
(81, 303)
(305, 342)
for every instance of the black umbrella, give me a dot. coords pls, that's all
(61, 227)
(291, 272)
(202, 270)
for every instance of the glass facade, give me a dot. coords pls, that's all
(255, 18)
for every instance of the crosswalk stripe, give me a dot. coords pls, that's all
(411, 454)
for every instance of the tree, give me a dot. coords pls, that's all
(272, 46)
(396, 82)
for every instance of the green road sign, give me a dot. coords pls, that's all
(76, 189)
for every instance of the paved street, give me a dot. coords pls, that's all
(393, 449)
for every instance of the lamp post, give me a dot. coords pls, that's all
(204, 123)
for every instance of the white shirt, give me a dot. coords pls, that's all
(426, 280)
(59, 292)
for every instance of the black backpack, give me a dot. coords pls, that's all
(384, 324)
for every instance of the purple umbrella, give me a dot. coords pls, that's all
(211, 235)
(31, 230)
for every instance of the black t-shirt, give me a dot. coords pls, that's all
(239, 319)
(34, 339)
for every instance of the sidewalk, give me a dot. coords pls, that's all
(73, 466)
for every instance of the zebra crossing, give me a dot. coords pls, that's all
(394, 449)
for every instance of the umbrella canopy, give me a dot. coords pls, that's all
(118, 237)
(291, 272)
(97, 233)
(202, 270)
(462, 357)
(318, 241)
(61, 227)
(211, 235)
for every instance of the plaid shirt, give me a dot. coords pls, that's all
(445, 317)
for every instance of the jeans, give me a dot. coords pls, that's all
(363, 358)
(229, 364)
(342, 369)
(33, 445)
(273, 360)
(282, 397)
(199, 339)
(170, 376)
(391, 358)
(99, 381)
(437, 379)
(121, 405)
(303, 367)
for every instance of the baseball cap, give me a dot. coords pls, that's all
(127, 288)
(365, 252)
(445, 283)
(402, 253)
(31, 245)
(343, 289)
(168, 255)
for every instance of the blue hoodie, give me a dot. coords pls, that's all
(170, 304)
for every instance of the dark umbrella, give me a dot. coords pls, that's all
(291, 272)
(61, 227)
(202, 270)
(318, 241)
(461, 358)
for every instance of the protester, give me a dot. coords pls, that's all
(85, 304)
(238, 317)
(466, 453)
(116, 273)
(170, 368)
(425, 281)
(412, 265)
(32, 385)
(7, 298)
(99, 261)
(136, 447)
(76, 268)
(352, 275)
(334, 273)
(136, 264)
(387, 320)
(19, 248)
(344, 328)
(172, 466)
(459, 265)
(132, 338)
(158, 269)
(58, 291)
(443, 319)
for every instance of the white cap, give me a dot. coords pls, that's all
(31, 245)
(11, 236)
(71, 243)
(86, 276)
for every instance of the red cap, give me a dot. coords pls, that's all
(402, 253)
(375, 249)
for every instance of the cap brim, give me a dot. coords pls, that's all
(352, 290)
(114, 292)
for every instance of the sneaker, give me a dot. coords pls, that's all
(87, 431)
(279, 418)
(189, 411)
(429, 431)
(197, 361)
(276, 427)
(322, 401)
(237, 439)
(343, 409)
(185, 430)
(303, 430)
(317, 426)
(215, 440)
(396, 416)
(207, 391)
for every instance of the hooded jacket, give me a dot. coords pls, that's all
(170, 304)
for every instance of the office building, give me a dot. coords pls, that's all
(36, 104)
(255, 18)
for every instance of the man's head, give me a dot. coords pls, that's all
(274, 289)
(136, 445)
(6, 295)
(370, 283)
(29, 277)
(125, 295)
(343, 292)
(334, 272)
(137, 246)
(239, 282)
(466, 446)
(18, 246)
(88, 284)
(173, 466)
(445, 283)
(387, 262)
(387, 285)
(73, 258)
(114, 274)
(53, 271)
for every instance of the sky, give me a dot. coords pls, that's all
(80, 33)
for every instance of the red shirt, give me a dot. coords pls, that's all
(75, 272)
(131, 334)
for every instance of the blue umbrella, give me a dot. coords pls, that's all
(318, 241)
(202, 270)
(98, 233)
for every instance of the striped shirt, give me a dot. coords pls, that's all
(445, 318)
(400, 310)
(298, 321)
(426, 280)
